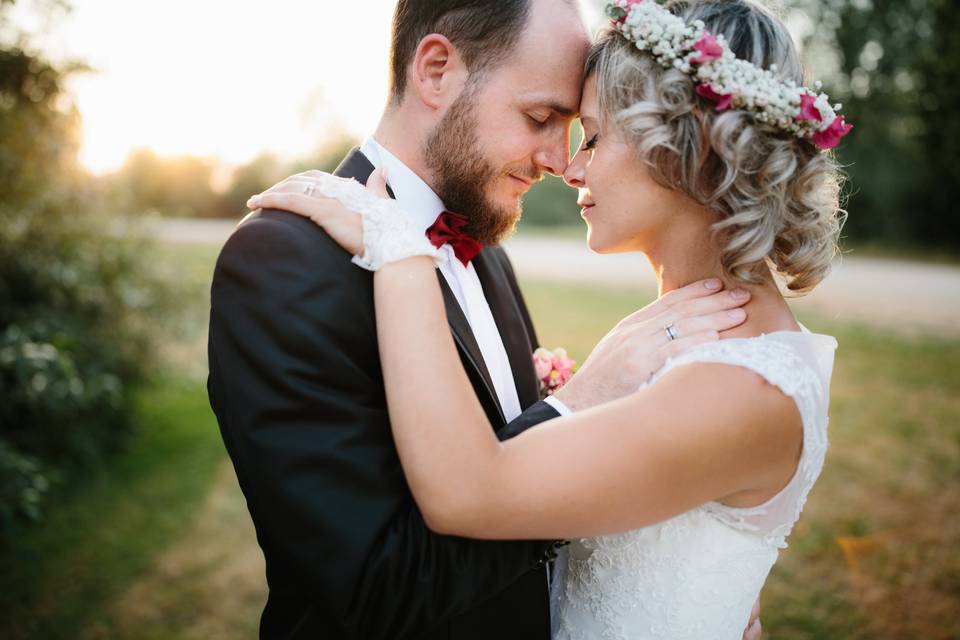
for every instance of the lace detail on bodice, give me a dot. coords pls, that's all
(698, 574)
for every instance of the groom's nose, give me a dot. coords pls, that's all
(552, 156)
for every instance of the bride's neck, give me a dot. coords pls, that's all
(686, 252)
(683, 253)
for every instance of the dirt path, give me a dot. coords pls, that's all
(896, 295)
(906, 297)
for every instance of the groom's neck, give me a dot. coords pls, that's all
(402, 135)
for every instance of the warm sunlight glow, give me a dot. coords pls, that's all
(224, 79)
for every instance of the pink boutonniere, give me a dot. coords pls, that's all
(554, 369)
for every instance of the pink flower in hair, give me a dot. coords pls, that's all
(709, 49)
(831, 136)
(723, 101)
(808, 109)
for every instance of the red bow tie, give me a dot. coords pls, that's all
(448, 229)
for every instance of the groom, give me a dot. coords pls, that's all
(482, 97)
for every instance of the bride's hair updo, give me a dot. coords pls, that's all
(777, 196)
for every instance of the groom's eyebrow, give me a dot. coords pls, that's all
(550, 103)
(562, 110)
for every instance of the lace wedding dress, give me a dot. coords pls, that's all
(696, 576)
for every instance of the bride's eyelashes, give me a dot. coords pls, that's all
(590, 144)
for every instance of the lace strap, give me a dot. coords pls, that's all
(783, 365)
(779, 363)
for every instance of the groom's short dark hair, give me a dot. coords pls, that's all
(484, 32)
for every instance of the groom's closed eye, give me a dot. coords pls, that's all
(539, 120)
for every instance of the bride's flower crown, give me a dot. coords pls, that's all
(724, 79)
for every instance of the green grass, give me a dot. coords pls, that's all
(59, 576)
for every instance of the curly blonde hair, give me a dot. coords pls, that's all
(777, 196)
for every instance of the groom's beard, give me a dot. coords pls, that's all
(463, 177)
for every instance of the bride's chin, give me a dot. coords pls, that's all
(595, 242)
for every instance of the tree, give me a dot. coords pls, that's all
(73, 298)
(895, 71)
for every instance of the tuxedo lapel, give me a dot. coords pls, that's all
(466, 341)
(510, 324)
(358, 166)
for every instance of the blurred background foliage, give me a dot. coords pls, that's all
(894, 65)
(75, 294)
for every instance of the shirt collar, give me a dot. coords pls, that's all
(412, 193)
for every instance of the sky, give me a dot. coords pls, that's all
(229, 79)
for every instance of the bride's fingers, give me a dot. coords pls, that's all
(303, 179)
(699, 307)
(291, 185)
(717, 321)
(317, 209)
(699, 289)
(377, 183)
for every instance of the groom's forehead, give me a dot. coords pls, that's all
(547, 84)
(548, 59)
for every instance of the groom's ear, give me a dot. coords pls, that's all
(439, 73)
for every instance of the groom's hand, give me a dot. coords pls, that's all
(641, 343)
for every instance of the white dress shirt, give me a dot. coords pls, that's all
(418, 200)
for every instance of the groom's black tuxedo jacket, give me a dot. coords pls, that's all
(296, 384)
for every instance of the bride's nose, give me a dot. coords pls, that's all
(575, 175)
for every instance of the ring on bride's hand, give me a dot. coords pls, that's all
(308, 190)
(671, 332)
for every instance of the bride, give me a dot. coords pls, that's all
(702, 150)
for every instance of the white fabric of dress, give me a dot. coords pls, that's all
(697, 575)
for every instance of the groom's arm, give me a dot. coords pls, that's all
(537, 413)
(296, 385)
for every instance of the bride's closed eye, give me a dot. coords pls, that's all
(590, 144)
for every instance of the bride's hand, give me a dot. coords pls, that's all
(643, 341)
(299, 194)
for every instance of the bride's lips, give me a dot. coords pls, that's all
(585, 207)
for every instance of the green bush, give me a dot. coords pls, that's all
(77, 296)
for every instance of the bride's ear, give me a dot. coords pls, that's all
(438, 73)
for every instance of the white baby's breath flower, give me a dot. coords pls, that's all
(675, 44)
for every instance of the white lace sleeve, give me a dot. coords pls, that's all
(789, 361)
(389, 234)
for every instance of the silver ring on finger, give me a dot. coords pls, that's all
(309, 190)
(671, 330)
